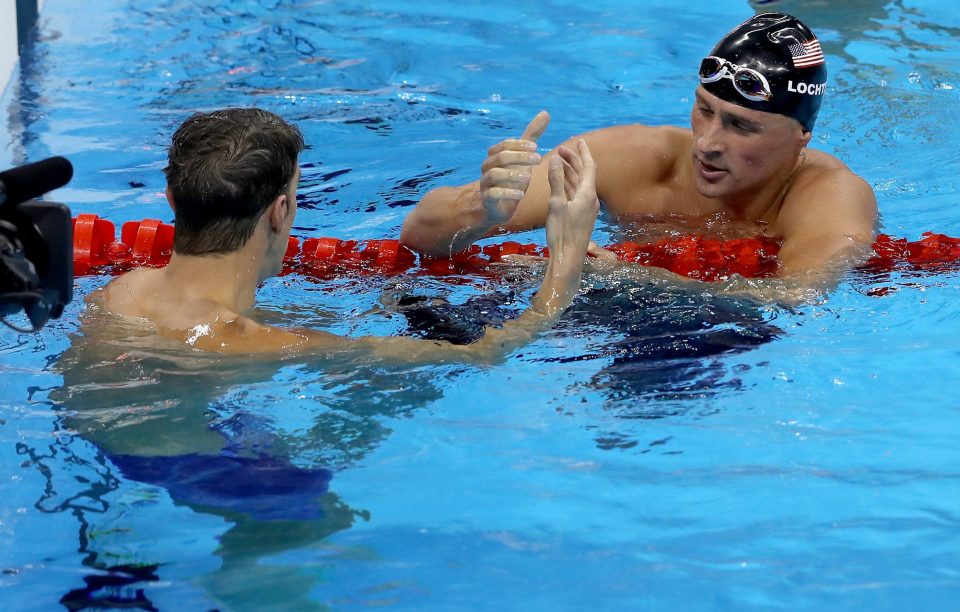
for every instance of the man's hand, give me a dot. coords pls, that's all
(572, 208)
(573, 203)
(570, 223)
(506, 171)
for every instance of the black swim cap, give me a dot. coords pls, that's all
(787, 57)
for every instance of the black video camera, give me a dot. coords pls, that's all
(36, 243)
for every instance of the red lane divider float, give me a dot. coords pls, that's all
(142, 243)
(705, 259)
(150, 243)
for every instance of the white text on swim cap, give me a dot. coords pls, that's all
(815, 89)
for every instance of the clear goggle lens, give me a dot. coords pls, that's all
(748, 82)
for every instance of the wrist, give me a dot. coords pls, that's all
(561, 281)
(473, 214)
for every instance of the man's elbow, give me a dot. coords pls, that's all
(421, 240)
(417, 235)
(423, 229)
(409, 234)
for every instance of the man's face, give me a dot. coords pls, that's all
(738, 151)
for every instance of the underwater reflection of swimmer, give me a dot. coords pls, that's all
(195, 426)
(111, 588)
(437, 319)
(669, 346)
(664, 344)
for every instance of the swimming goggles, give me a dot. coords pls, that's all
(748, 82)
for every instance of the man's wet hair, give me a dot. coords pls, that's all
(224, 169)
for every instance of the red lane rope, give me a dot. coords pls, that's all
(150, 243)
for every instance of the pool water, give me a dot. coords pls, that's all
(659, 449)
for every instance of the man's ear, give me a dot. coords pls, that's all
(170, 201)
(278, 211)
(805, 139)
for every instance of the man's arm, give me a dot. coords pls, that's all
(569, 225)
(513, 192)
(449, 219)
(828, 224)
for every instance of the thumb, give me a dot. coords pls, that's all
(537, 126)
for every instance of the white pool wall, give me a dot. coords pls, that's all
(9, 39)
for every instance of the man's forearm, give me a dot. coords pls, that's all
(793, 290)
(561, 282)
(447, 220)
(558, 290)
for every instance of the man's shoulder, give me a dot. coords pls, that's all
(823, 161)
(827, 196)
(823, 174)
(145, 293)
(241, 335)
(635, 136)
(638, 152)
(122, 294)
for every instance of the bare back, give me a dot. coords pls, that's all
(149, 295)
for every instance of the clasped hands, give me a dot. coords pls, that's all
(572, 205)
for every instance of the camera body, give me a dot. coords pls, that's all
(36, 243)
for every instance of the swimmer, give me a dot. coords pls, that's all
(232, 181)
(742, 170)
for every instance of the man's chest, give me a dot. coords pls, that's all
(667, 213)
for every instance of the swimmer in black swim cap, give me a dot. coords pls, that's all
(772, 63)
(741, 169)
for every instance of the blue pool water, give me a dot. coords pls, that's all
(659, 449)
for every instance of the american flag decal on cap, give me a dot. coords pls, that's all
(806, 54)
